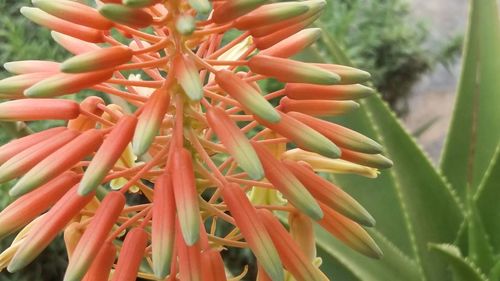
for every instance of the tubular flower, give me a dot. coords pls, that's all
(190, 130)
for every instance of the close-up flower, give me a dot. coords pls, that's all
(177, 113)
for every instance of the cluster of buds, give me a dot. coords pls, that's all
(184, 123)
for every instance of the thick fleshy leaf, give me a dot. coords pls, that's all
(486, 200)
(473, 138)
(463, 269)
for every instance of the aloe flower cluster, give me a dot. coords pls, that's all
(185, 123)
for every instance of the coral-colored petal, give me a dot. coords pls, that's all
(102, 264)
(97, 60)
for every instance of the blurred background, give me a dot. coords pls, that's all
(412, 48)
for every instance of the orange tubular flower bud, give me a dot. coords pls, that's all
(126, 15)
(287, 70)
(38, 109)
(131, 255)
(46, 229)
(28, 207)
(371, 160)
(14, 147)
(84, 122)
(269, 14)
(188, 77)
(64, 83)
(315, 8)
(102, 264)
(293, 44)
(58, 162)
(163, 228)
(27, 159)
(14, 87)
(342, 136)
(213, 266)
(108, 154)
(293, 258)
(350, 233)
(288, 184)
(252, 228)
(73, 45)
(299, 91)
(186, 196)
(97, 60)
(277, 35)
(150, 121)
(251, 100)
(348, 75)
(318, 107)
(97, 232)
(74, 12)
(236, 142)
(190, 267)
(31, 66)
(330, 194)
(303, 136)
(54, 23)
(231, 10)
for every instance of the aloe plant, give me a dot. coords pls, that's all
(433, 223)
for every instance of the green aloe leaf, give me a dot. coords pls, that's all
(486, 200)
(346, 264)
(412, 203)
(472, 140)
(462, 268)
